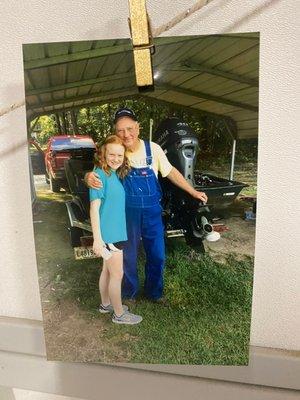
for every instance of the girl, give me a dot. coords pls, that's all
(107, 212)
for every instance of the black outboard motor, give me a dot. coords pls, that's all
(183, 215)
(180, 144)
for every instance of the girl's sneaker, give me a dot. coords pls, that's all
(127, 318)
(109, 309)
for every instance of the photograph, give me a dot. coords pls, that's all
(144, 199)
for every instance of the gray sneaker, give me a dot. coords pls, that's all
(127, 318)
(109, 309)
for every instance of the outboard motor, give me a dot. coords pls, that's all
(183, 215)
(180, 144)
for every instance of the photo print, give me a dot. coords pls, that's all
(144, 203)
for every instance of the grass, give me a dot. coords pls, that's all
(206, 321)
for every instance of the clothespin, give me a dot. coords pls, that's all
(142, 41)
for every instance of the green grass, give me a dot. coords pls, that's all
(206, 321)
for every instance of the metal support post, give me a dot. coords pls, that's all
(232, 159)
(151, 128)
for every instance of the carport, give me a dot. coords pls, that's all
(214, 75)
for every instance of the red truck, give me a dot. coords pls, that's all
(60, 149)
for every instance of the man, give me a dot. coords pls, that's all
(143, 209)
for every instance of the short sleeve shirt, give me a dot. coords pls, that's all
(160, 163)
(112, 208)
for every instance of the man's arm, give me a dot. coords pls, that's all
(178, 179)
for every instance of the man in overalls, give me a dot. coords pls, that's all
(143, 209)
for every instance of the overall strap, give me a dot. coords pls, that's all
(148, 152)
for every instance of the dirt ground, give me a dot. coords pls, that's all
(71, 334)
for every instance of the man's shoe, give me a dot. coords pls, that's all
(162, 300)
(130, 302)
(109, 309)
(127, 319)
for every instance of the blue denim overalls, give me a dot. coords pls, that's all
(144, 220)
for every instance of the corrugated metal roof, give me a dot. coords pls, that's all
(216, 74)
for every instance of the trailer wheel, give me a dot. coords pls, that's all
(75, 235)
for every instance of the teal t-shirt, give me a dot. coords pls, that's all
(112, 209)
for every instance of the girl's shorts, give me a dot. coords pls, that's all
(118, 245)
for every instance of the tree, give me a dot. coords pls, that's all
(45, 128)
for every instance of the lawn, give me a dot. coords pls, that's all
(206, 319)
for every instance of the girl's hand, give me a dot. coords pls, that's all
(100, 250)
(97, 247)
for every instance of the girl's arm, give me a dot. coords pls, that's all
(98, 245)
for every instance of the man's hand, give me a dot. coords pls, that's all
(200, 196)
(178, 179)
(92, 180)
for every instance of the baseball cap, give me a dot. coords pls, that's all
(124, 112)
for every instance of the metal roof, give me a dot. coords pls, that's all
(215, 74)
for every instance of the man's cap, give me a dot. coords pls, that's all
(124, 112)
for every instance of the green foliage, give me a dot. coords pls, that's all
(246, 150)
(45, 128)
(215, 141)
(98, 121)
(95, 121)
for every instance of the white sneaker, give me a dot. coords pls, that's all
(109, 309)
(127, 318)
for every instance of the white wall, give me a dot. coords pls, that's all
(275, 318)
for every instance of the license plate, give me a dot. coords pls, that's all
(83, 253)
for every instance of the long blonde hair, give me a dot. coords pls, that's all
(100, 160)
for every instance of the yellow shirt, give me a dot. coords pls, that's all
(160, 162)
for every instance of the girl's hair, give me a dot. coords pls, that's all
(100, 160)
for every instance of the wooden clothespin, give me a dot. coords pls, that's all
(143, 47)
